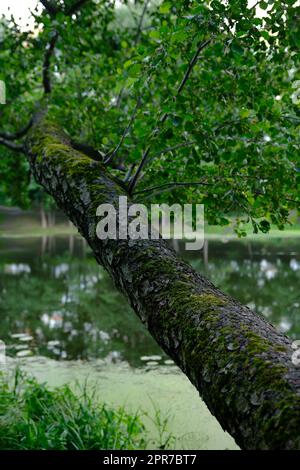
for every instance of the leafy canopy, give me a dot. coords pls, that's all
(126, 79)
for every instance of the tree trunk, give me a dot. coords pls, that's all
(43, 217)
(240, 364)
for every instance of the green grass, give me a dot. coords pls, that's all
(37, 231)
(214, 232)
(32, 416)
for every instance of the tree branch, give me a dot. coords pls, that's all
(93, 153)
(87, 149)
(47, 61)
(141, 21)
(129, 173)
(135, 178)
(192, 65)
(166, 186)
(174, 147)
(12, 145)
(125, 133)
(17, 135)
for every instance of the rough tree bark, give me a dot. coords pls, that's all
(240, 364)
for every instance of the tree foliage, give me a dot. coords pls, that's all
(197, 92)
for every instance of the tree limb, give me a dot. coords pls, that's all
(12, 146)
(141, 21)
(94, 154)
(136, 176)
(166, 186)
(47, 62)
(174, 147)
(17, 135)
(192, 65)
(129, 173)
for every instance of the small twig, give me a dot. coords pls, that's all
(129, 173)
(191, 65)
(292, 118)
(174, 147)
(125, 133)
(255, 5)
(166, 186)
(141, 21)
(229, 122)
(94, 154)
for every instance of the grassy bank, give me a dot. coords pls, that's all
(33, 416)
(214, 232)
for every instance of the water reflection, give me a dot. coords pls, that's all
(264, 275)
(57, 302)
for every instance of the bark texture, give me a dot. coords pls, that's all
(240, 364)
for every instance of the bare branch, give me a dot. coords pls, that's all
(94, 154)
(125, 133)
(174, 147)
(12, 146)
(166, 186)
(17, 135)
(141, 21)
(136, 176)
(129, 173)
(192, 65)
(87, 149)
(291, 118)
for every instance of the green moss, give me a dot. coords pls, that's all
(209, 300)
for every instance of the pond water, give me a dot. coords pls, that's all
(62, 318)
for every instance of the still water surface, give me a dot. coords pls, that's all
(62, 318)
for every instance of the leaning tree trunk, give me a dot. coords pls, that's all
(240, 364)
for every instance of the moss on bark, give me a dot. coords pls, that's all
(240, 364)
